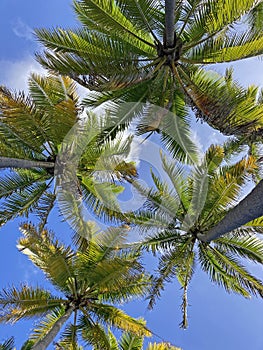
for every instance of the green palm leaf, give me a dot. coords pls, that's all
(107, 15)
(130, 341)
(8, 344)
(23, 203)
(118, 319)
(26, 302)
(69, 337)
(226, 271)
(246, 247)
(94, 334)
(53, 258)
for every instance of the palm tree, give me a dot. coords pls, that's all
(33, 131)
(88, 279)
(196, 200)
(29, 138)
(152, 51)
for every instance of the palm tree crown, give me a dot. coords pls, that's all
(194, 203)
(37, 125)
(86, 278)
(151, 50)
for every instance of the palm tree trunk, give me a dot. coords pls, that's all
(169, 23)
(6, 162)
(250, 208)
(50, 336)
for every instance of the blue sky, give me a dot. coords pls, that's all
(217, 320)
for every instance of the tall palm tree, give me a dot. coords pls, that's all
(33, 129)
(151, 50)
(89, 279)
(191, 203)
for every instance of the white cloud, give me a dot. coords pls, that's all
(22, 30)
(195, 138)
(15, 74)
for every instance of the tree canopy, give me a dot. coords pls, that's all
(149, 67)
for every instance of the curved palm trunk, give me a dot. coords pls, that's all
(169, 23)
(50, 336)
(6, 162)
(250, 208)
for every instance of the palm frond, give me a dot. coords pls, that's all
(119, 319)
(144, 14)
(20, 115)
(224, 191)
(254, 17)
(22, 203)
(20, 179)
(227, 48)
(54, 259)
(163, 240)
(221, 102)
(162, 346)
(93, 334)
(69, 336)
(213, 18)
(56, 96)
(8, 344)
(171, 263)
(225, 270)
(177, 138)
(26, 302)
(257, 223)
(176, 173)
(24, 149)
(130, 341)
(109, 18)
(250, 247)
(128, 288)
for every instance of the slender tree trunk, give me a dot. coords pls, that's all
(169, 23)
(250, 208)
(6, 162)
(50, 336)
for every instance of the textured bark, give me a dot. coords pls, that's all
(169, 23)
(250, 208)
(50, 336)
(6, 162)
